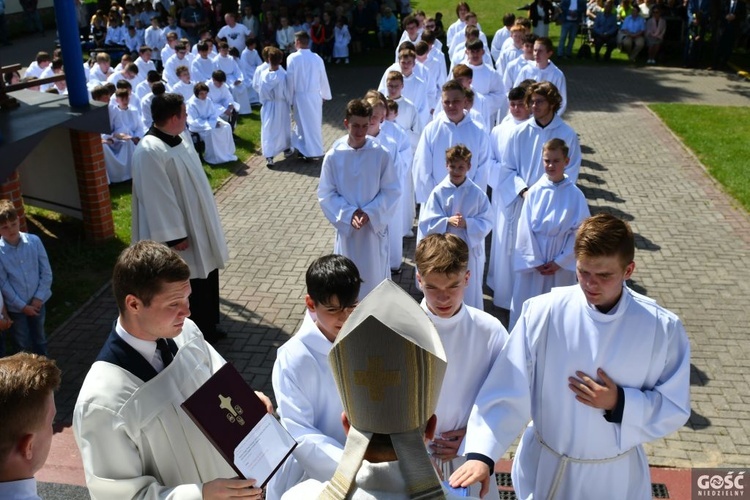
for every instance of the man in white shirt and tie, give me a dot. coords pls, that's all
(135, 439)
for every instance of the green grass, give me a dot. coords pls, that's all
(719, 137)
(80, 268)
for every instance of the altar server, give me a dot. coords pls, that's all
(453, 128)
(309, 404)
(472, 340)
(307, 87)
(203, 118)
(358, 191)
(388, 364)
(521, 163)
(553, 209)
(460, 207)
(598, 368)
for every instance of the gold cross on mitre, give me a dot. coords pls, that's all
(376, 378)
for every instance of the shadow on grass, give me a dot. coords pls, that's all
(79, 267)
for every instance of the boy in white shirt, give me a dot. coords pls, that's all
(202, 65)
(544, 70)
(40, 63)
(472, 340)
(552, 211)
(308, 402)
(219, 92)
(249, 62)
(454, 127)
(276, 131)
(598, 369)
(358, 191)
(460, 207)
(144, 62)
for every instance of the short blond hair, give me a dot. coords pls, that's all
(441, 254)
(26, 380)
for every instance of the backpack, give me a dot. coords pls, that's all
(584, 52)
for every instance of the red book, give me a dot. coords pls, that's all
(226, 409)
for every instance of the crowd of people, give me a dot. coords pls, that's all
(438, 132)
(597, 368)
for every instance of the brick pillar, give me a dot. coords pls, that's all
(92, 185)
(11, 190)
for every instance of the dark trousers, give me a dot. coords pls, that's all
(204, 303)
(609, 40)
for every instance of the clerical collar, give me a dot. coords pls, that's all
(169, 140)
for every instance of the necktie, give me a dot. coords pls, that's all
(164, 351)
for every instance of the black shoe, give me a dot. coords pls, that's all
(269, 162)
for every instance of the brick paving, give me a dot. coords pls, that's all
(693, 248)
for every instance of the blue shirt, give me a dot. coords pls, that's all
(605, 24)
(388, 24)
(23, 489)
(634, 25)
(24, 272)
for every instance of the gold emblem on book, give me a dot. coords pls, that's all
(234, 413)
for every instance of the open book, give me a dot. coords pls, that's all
(236, 422)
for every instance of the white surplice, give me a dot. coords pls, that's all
(118, 155)
(215, 132)
(231, 68)
(429, 158)
(146, 110)
(550, 74)
(341, 39)
(406, 154)
(506, 56)
(472, 340)
(550, 217)
(307, 88)
(395, 223)
(365, 179)
(201, 68)
(641, 346)
(408, 118)
(520, 167)
(249, 62)
(497, 42)
(445, 201)
(170, 68)
(374, 481)
(276, 127)
(500, 269)
(172, 199)
(184, 89)
(144, 67)
(416, 90)
(222, 97)
(135, 439)
(309, 406)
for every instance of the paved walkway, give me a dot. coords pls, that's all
(693, 252)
